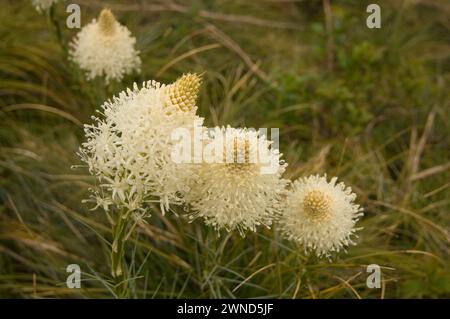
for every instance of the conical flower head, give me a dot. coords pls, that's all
(107, 22)
(129, 149)
(184, 91)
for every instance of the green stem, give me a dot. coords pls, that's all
(57, 28)
(117, 255)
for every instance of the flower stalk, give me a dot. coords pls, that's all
(119, 237)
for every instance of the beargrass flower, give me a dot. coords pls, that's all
(320, 215)
(128, 148)
(43, 5)
(104, 47)
(232, 190)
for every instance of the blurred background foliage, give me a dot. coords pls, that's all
(368, 105)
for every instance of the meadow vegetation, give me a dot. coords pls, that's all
(371, 106)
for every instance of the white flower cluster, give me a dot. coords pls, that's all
(129, 147)
(236, 193)
(43, 5)
(105, 48)
(320, 215)
(129, 150)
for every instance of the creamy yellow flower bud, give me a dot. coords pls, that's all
(184, 91)
(316, 204)
(107, 22)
